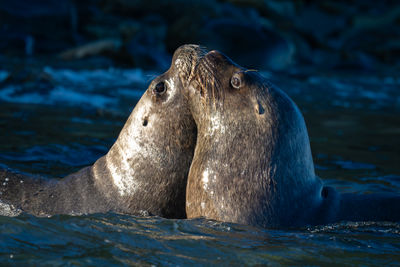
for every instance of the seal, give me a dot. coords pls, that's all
(145, 171)
(252, 162)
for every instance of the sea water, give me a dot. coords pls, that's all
(63, 120)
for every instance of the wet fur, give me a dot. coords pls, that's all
(145, 171)
(253, 164)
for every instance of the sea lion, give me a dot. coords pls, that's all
(144, 171)
(252, 162)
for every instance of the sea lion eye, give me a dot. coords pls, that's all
(236, 81)
(160, 88)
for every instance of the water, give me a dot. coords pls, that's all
(62, 119)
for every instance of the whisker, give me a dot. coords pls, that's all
(206, 75)
(150, 77)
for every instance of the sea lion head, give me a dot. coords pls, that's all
(252, 162)
(150, 160)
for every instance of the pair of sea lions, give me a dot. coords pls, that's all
(235, 144)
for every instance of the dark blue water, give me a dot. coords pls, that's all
(61, 120)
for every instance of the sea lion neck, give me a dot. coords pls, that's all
(156, 145)
(252, 157)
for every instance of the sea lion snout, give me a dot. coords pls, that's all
(185, 60)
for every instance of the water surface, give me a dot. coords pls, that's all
(63, 119)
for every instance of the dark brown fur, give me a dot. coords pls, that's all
(252, 162)
(148, 177)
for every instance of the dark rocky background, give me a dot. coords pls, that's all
(71, 71)
(270, 35)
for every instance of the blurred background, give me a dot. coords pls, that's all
(274, 35)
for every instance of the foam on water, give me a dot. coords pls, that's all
(355, 150)
(119, 240)
(90, 88)
(92, 79)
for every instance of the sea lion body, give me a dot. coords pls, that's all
(74, 194)
(252, 162)
(144, 171)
